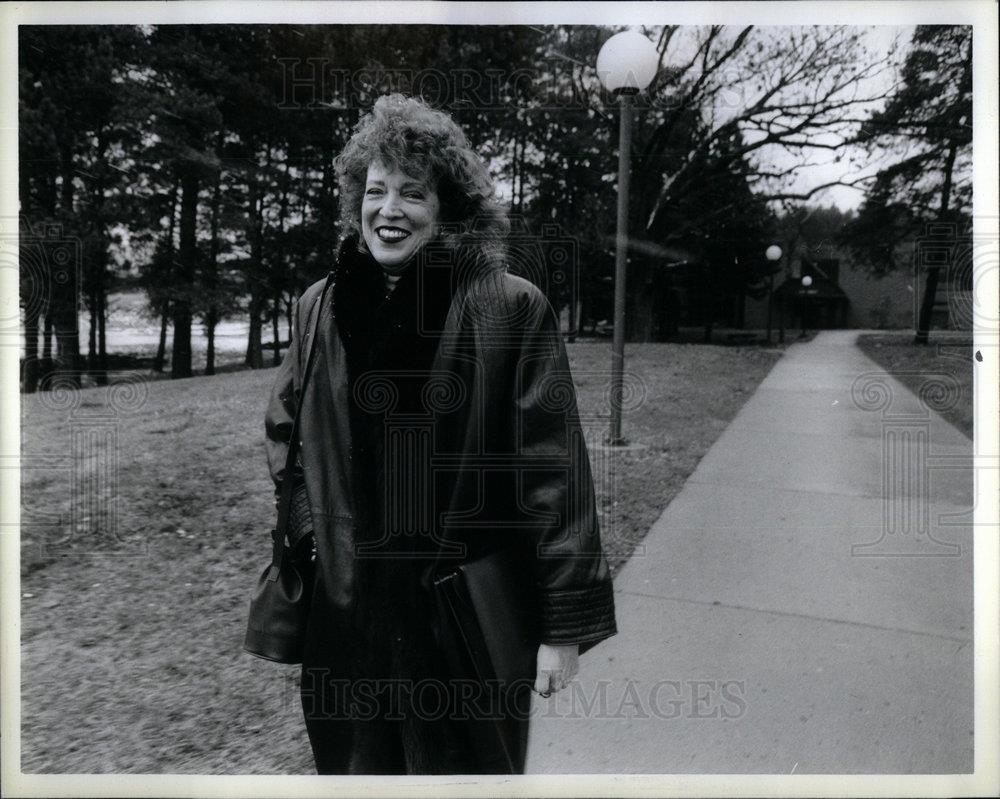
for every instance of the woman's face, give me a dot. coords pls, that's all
(399, 214)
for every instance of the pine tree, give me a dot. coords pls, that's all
(927, 126)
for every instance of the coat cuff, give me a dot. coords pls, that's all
(577, 615)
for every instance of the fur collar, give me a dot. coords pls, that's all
(398, 330)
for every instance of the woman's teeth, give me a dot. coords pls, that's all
(392, 234)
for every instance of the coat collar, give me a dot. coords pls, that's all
(395, 330)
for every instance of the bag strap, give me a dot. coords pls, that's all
(288, 479)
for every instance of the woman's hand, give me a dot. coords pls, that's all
(557, 665)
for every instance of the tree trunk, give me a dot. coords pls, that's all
(305, 249)
(211, 320)
(102, 338)
(180, 361)
(255, 354)
(934, 273)
(65, 296)
(212, 268)
(48, 335)
(642, 269)
(29, 287)
(97, 362)
(45, 367)
(30, 375)
(515, 174)
(707, 302)
(99, 267)
(328, 205)
(161, 349)
(520, 170)
(278, 275)
(92, 332)
(640, 314)
(927, 306)
(275, 327)
(255, 221)
(67, 334)
(97, 355)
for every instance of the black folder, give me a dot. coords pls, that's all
(488, 609)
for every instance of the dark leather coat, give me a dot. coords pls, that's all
(485, 451)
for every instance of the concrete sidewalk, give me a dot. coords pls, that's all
(803, 605)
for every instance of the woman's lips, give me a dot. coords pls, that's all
(391, 234)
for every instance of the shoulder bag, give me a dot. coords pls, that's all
(279, 606)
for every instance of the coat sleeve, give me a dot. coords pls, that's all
(280, 415)
(557, 488)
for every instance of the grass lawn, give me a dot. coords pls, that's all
(917, 367)
(132, 625)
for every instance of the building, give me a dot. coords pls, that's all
(844, 294)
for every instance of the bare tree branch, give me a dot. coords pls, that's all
(853, 184)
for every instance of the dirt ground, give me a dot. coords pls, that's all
(132, 620)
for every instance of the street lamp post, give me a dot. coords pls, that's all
(773, 255)
(626, 65)
(807, 281)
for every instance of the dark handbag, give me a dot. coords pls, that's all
(488, 608)
(279, 606)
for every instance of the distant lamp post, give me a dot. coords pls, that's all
(626, 65)
(773, 255)
(807, 281)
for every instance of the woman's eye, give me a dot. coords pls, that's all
(373, 191)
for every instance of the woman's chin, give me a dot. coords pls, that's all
(392, 257)
(391, 260)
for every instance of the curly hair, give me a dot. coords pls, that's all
(405, 133)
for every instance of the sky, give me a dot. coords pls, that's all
(878, 40)
(827, 166)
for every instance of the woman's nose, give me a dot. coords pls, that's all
(390, 208)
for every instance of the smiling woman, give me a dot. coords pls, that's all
(437, 427)
(398, 216)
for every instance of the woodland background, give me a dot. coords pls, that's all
(195, 163)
